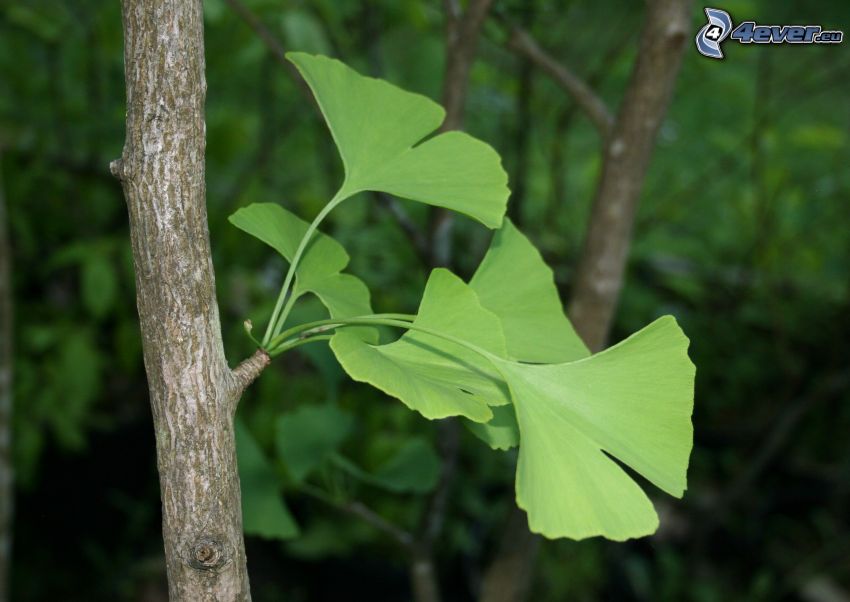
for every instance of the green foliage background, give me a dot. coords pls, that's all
(743, 234)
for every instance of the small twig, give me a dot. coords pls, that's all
(521, 42)
(359, 510)
(248, 371)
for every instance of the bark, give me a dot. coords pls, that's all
(193, 393)
(7, 474)
(627, 155)
(584, 96)
(602, 265)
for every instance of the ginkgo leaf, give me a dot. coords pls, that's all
(263, 510)
(515, 283)
(431, 375)
(282, 230)
(319, 269)
(632, 401)
(502, 432)
(306, 437)
(376, 126)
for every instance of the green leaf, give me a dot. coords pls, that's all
(263, 511)
(632, 401)
(414, 468)
(375, 126)
(283, 230)
(435, 377)
(318, 271)
(502, 432)
(515, 283)
(307, 436)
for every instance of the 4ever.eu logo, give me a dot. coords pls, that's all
(720, 27)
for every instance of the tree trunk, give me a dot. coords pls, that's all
(7, 473)
(193, 392)
(609, 233)
(627, 155)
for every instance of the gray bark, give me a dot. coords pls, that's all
(601, 269)
(193, 393)
(7, 473)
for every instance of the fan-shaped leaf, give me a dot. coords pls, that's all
(633, 401)
(515, 283)
(375, 126)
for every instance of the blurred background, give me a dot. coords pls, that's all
(743, 233)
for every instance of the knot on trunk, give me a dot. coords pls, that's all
(208, 554)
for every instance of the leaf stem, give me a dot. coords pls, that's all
(297, 343)
(309, 328)
(378, 320)
(280, 312)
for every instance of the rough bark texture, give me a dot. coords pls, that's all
(193, 392)
(609, 233)
(7, 481)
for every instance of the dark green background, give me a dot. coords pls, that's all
(743, 234)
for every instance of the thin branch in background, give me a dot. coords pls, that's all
(462, 32)
(359, 510)
(522, 131)
(522, 43)
(558, 161)
(414, 233)
(7, 481)
(601, 268)
(276, 49)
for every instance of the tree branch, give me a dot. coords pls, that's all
(462, 33)
(359, 510)
(274, 47)
(415, 235)
(191, 388)
(628, 150)
(521, 42)
(249, 370)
